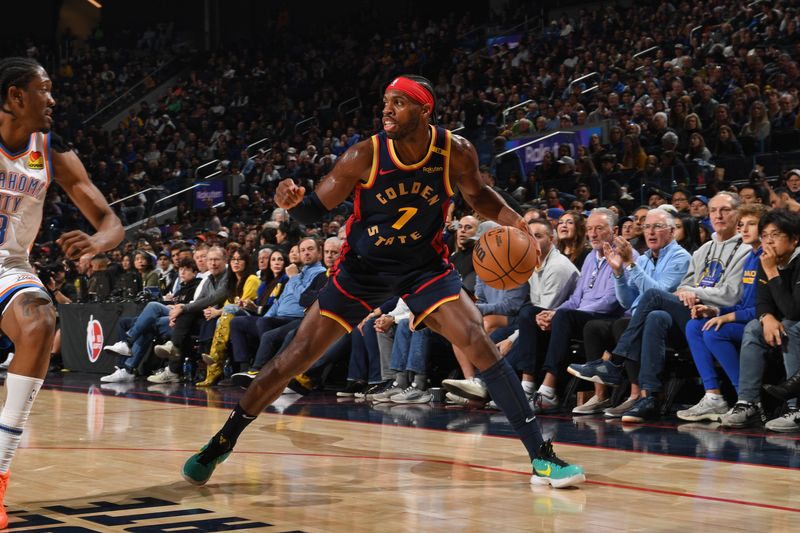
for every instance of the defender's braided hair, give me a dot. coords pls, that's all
(17, 72)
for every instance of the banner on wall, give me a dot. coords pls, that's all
(533, 153)
(209, 193)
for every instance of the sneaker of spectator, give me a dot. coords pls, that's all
(387, 393)
(164, 375)
(708, 408)
(621, 409)
(646, 408)
(471, 388)
(166, 350)
(376, 389)
(119, 375)
(543, 404)
(412, 394)
(592, 407)
(788, 423)
(742, 415)
(119, 347)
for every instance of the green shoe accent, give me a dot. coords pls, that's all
(548, 469)
(197, 473)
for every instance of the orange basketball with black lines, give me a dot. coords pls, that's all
(504, 257)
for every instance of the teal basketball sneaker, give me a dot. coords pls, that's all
(548, 469)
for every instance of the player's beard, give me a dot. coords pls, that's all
(405, 130)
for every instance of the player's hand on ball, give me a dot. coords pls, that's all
(77, 243)
(535, 249)
(288, 194)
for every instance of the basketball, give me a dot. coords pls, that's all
(503, 257)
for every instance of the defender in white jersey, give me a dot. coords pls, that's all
(30, 159)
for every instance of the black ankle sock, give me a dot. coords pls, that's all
(226, 438)
(617, 360)
(506, 390)
(632, 369)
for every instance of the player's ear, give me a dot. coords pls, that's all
(426, 110)
(14, 95)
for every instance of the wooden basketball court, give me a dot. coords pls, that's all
(109, 460)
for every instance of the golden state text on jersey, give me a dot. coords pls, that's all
(24, 179)
(399, 210)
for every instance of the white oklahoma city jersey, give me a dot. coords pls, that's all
(24, 178)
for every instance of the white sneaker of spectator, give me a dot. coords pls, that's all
(120, 375)
(7, 362)
(119, 347)
(471, 388)
(788, 423)
(166, 350)
(165, 375)
(707, 408)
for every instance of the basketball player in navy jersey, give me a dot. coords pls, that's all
(403, 180)
(30, 159)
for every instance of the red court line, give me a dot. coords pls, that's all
(437, 461)
(157, 397)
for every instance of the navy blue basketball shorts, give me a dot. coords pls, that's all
(347, 297)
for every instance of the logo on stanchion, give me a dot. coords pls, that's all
(94, 339)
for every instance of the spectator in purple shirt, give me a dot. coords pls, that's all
(594, 298)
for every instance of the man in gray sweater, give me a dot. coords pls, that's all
(186, 318)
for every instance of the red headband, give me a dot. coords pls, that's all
(412, 89)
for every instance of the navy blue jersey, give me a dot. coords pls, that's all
(399, 211)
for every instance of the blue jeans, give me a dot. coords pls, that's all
(410, 349)
(152, 321)
(365, 359)
(754, 350)
(659, 315)
(722, 345)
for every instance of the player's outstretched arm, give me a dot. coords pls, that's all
(354, 165)
(71, 175)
